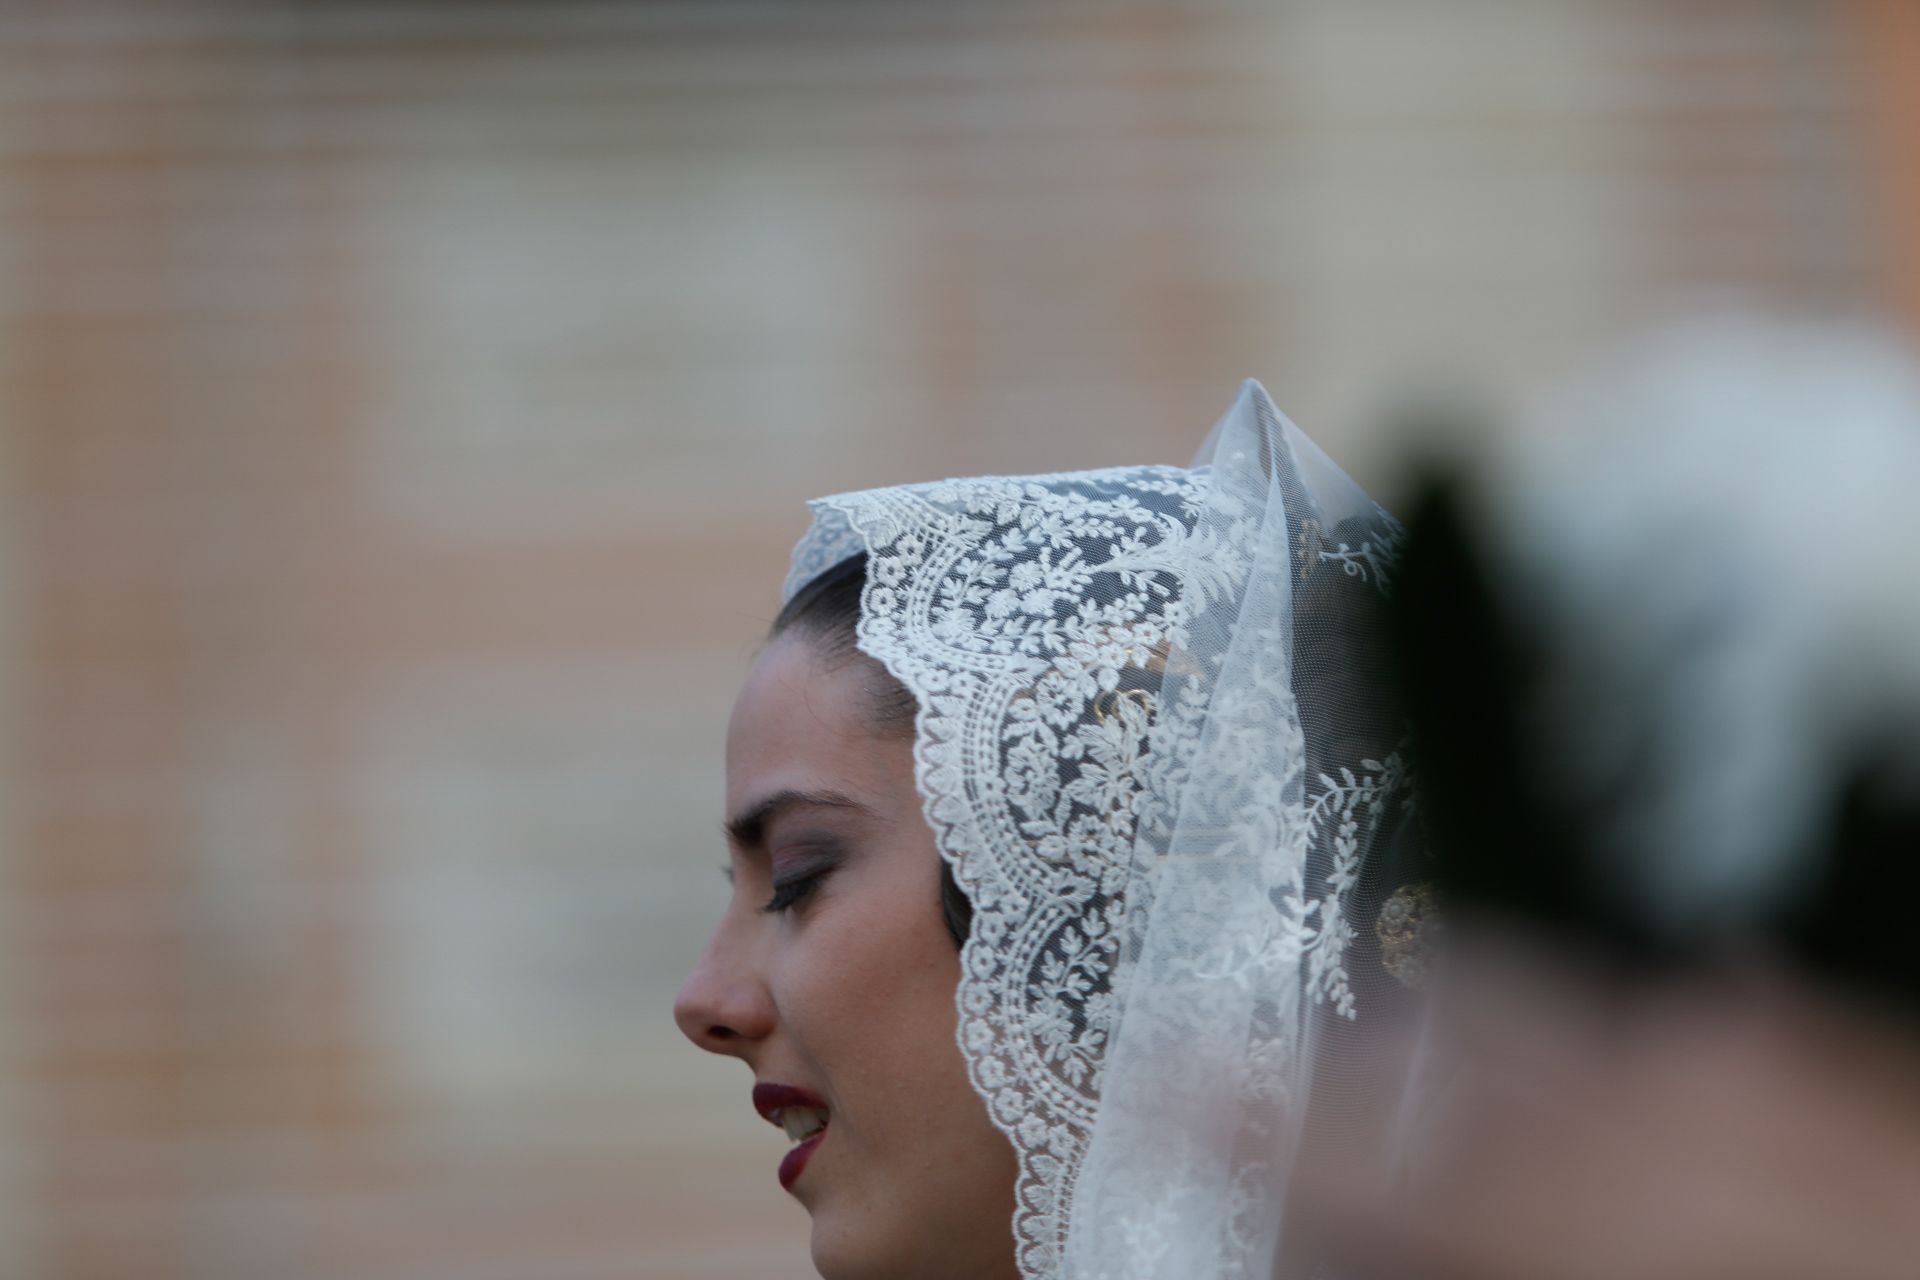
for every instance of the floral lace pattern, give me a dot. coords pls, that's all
(1062, 636)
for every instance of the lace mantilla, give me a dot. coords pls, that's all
(1066, 638)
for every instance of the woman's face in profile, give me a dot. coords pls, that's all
(832, 976)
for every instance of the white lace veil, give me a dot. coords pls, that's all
(1153, 747)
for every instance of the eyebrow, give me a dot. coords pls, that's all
(748, 828)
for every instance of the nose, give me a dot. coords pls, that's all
(724, 1005)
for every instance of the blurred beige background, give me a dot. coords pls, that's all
(408, 408)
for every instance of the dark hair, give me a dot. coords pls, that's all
(826, 611)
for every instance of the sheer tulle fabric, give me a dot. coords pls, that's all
(1153, 746)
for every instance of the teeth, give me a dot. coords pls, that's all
(802, 1123)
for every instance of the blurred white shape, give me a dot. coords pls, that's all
(1723, 534)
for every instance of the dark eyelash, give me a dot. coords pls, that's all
(795, 890)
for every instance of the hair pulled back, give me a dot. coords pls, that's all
(826, 613)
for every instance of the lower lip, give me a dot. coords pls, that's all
(795, 1161)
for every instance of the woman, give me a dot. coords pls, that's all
(1060, 816)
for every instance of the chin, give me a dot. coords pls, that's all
(841, 1254)
(857, 1245)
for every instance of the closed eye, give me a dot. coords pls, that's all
(789, 891)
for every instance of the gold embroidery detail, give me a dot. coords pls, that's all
(1107, 705)
(1408, 927)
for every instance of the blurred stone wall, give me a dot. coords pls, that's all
(407, 410)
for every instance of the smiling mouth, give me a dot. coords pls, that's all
(801, 1123)
(806, 1127)
(803, 1117)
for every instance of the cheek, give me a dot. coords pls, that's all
(918, 1159)
(867, 989)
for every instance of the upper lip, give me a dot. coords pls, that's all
(771, 1099)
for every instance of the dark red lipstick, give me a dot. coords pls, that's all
(772, 1101)
(794, 1163)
